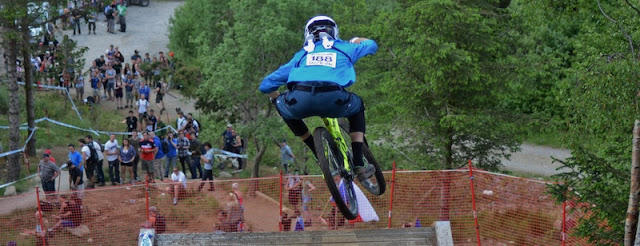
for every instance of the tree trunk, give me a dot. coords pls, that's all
(28, 89)
(261, 148)
(630, 225)
(445, 189)
(13, 165)
(449, 150)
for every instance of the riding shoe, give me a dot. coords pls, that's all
(364, 172)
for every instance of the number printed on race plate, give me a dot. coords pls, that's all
(326, 59)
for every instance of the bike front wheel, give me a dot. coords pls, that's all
(339, 181)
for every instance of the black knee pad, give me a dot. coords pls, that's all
(357, 123)
(298, 127)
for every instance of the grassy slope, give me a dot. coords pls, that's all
(56, 106)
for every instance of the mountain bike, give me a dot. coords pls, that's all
(336, 160)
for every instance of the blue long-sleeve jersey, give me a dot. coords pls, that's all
(329, 65)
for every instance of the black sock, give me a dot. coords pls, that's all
(357, 153)
(311, 145)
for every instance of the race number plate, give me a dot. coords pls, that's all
(326, 59)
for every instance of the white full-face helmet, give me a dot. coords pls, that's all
(319, 24)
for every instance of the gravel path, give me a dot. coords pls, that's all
(147, 31)
(536, 159)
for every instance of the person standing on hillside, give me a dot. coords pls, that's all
(196, 151)
(159, 157)
(112, 151)
(122, 11)
(131, 121)
(129, 84)
(181, 122)
(100, 158)
(48, 171)
(134, 141)
(75, 158)
(142, 104)
(207, 159)
(109, 11)
(144, 90)
(286, 156)
(110, 76)
(147, 152)
(172, 154)
(183, 145)
(91, 22)
(89, 162)
(95, 85)
(228, 138)
(161, 89)
(79, 85)
(126, 158)
(152, 121)
(75, 20)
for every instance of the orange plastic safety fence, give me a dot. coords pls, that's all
(511, 210)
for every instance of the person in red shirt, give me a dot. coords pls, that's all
(147, 154)
(48, 152)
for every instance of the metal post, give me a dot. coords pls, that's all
(280, 221)
(146, 197)
(564, 222)
(44, 238)
(473, 202)
(393, 185)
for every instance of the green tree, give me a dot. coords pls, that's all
(599, 96)
(444, 63)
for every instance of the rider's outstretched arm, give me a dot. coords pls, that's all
(363, 47)
(279, 77)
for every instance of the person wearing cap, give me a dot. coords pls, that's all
(48, 152)
(286, 155)
(48, 171)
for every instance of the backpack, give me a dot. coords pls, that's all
(165, 146)
(108, 12)
(199, 128)
(93, 157)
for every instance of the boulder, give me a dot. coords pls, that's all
(224, 174)
(10, 191)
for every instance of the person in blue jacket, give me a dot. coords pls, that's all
(317, 77)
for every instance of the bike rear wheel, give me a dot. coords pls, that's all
(337, 178)
(376, 185)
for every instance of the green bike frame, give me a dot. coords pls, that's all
(334, 129)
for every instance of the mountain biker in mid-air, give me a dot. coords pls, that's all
(316, 77)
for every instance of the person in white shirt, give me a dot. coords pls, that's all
(142, 104)
(179, 184)
(96, 165)
(112, 151)
(181, 122)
